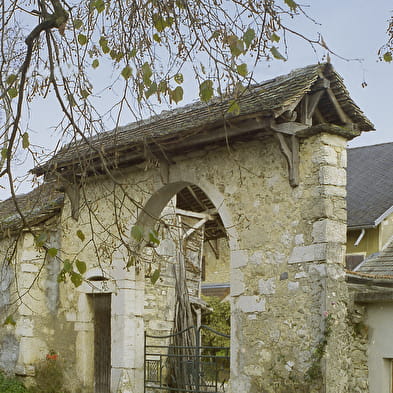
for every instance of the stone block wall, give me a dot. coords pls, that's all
(287, 246)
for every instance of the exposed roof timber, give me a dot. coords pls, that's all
(134, 154)
(195, 227)
(318, 115)
(288, 128)
(290, 148)
(310, 105)
(343, 117)
(188, 213)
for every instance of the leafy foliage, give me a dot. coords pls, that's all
(11, 385)
(219, 319)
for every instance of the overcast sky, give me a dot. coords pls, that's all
(354, 29)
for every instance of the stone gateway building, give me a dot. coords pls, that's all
(200, 195)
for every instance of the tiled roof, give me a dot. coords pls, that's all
(268, 99)
(36, 206)
(379, 264)
(370, 184)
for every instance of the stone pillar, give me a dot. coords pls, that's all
(128, 333)
(287, 278)
(330, 230)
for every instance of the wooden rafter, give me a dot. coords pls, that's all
(342, 115)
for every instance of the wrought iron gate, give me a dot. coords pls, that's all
(206, 368)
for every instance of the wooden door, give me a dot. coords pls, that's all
(102, 342)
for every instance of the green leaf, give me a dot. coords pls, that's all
(67, 266)
(155, 276)
(387, 57)
(11, 79)
(95, 63)
(137, 233)
(81, 235)
(52, 252)
(242, 69)
(234, 107)
(291, 4)
(13, 92)
(104, 44)
(179, 78)
(71, 100)
(156, 37)
(78, 23)
(177, 94)
(275, 38)
(248, 37)
(25, 140)
(99, 5)
(61, 277)
(133, 53)
(4, 152)
(9, 321)
(206, 90)
(82, 39)
(159, 22)
(235, 45)
(76, 279)
(81, 266)
(151, 90)
(163, 86)
(84, 93)
(276, 54)
(146, 73)
(126, 72)
(153, 237)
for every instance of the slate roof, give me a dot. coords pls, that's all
(370, 184)
(270, 99)
(267, 99)
(379, 264)
(36, 206)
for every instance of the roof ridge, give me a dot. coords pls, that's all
(369, 146)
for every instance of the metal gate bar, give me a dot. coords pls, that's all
(207, 371)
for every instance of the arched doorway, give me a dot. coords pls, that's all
(192, 234)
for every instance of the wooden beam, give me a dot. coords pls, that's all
(343, 117)
(290, 148)
(289, 128)
(319, 116)
(215, 248)
(188, 213)
(195, 227)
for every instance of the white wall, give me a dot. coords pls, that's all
(380, 353)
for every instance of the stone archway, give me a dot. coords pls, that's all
(151, 213)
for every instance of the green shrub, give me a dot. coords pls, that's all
(11, 385)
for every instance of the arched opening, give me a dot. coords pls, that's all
(191, 261)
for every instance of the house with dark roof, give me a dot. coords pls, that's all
(369, 201)
(95, 271)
